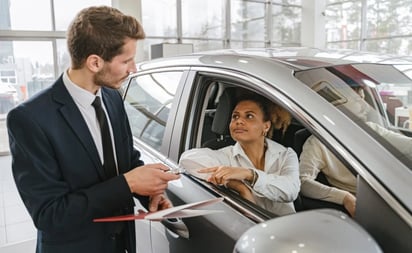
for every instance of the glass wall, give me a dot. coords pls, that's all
(247, 21)
(22, 16)
(159, 18)
(218, 24)
(203, 19)
(33, 49)
(286, 24)
(383, 26)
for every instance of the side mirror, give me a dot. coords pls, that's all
(321, 230)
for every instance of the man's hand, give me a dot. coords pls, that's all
(349, 202)
(159, 202)
(150, 179)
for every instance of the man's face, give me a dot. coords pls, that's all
(357, 105)
(115, 72)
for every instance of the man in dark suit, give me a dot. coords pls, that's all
(59, 156)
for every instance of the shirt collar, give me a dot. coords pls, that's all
(238, 150)
(82, 97)
(272, 148)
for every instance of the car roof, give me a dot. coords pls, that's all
(295, 58)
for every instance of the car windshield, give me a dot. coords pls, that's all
(378, 95)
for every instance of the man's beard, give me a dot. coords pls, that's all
(99, 78)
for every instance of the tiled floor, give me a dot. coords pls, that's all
(17, 231)
(15, 223)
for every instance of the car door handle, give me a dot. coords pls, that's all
(176, 226)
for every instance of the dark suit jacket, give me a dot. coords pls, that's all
(59, 174)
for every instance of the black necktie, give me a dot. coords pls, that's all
(109, 163)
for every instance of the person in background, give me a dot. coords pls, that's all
(259, 169)
(340, 187)
(316, 158)
(67, 169)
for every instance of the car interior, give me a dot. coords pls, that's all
(220, 102)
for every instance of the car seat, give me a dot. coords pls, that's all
(207, 133)
(221, 120)
(299, 139)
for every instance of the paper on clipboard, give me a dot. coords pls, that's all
(182, 211)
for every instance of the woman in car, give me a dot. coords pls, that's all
(259, 169)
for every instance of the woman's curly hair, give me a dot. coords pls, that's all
(280, 118)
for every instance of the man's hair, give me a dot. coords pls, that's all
(100, 30)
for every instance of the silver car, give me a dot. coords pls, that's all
(175, 104)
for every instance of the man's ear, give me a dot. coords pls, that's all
(94, 63)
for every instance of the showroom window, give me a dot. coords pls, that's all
(209, 21)
(35, 46)
(222, 23)
(286, 25)
(383, 26)
(22, 16)
(247, 20)
(158, 18)
(33, 49)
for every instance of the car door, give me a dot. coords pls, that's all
(218, 232)
(209, 233)
(392, 234)
(154, 108)
(186, 127)
(149, 98)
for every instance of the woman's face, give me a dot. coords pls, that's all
(247, 124)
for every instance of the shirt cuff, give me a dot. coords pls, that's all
(338, 195)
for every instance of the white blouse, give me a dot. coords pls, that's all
(276, 187)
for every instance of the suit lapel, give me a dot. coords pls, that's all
(74, 119)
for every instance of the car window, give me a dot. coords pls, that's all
(366, 93)
(214, 104)
(148, 101)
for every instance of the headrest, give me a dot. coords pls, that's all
(300, 137)
(223, 112)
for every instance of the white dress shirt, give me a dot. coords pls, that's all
(276, 187)
(399, 141)
(316, 157)
(84, 100)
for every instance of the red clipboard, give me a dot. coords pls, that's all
(182, 211)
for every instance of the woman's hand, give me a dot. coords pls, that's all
(349, 202)
(222, 174)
